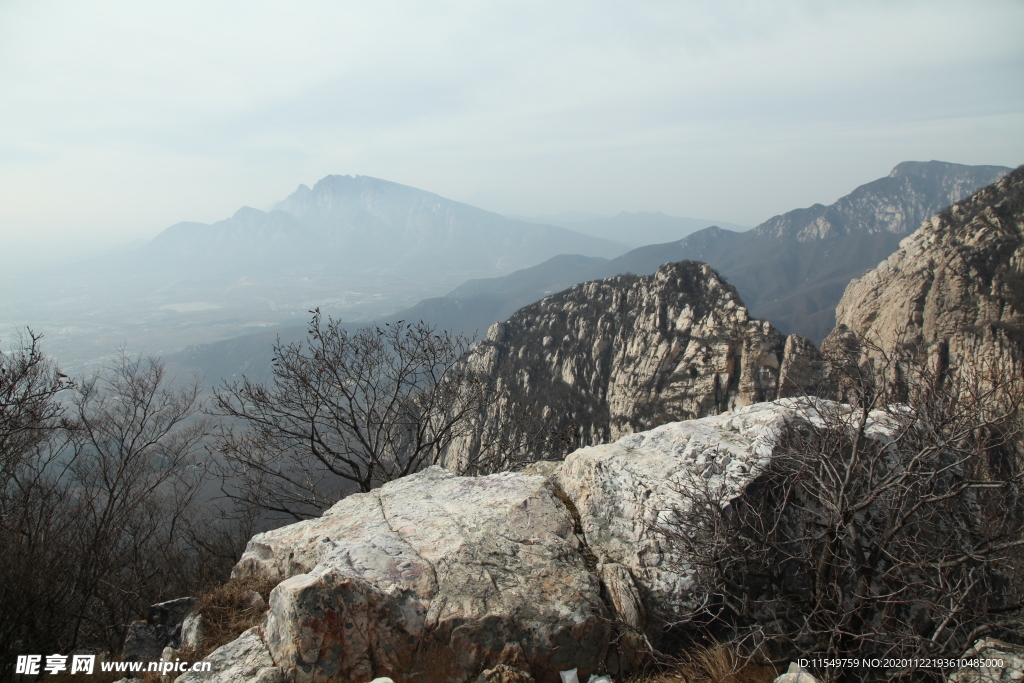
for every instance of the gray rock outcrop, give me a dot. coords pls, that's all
(620, 355)
(146, 640)
(623, 492)
(192, 631)
(141, 643)
(955, 287)
(432, 578)
(439, 578)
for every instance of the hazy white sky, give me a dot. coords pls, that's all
(118, 119)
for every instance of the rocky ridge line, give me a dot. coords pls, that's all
(955, 287)
(628, 353)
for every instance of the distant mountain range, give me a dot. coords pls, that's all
(791, 269)
(356, 247)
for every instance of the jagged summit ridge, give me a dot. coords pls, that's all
(628, 353)
(895, 204)
(955, 285)
(792, 269)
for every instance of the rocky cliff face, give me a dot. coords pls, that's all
(628, 353)
(955, 286)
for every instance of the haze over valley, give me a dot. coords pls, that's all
(355, 247)
(791, 269)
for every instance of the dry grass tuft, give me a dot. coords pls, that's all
(714, 664)
(225, 614)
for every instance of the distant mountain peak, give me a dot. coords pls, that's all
(248, 212)
(936, 169)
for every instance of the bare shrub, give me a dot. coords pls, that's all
(29, 411)
(350, 411)
(226, 612)
(880, 530)
(100, 517)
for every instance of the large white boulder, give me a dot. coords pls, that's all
(432, 578)
(623, 491)
(436, 577)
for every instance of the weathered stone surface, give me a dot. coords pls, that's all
(803, 368)
(192, 631)
(628, 353)
(146, 640)
(955, 287)
(628, 608)
(432, 578)
(244, 660)
(141, 643)
(623, 490)
(254, 601)
(171, 613)
(1007, 662)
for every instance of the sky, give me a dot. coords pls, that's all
(118, 119)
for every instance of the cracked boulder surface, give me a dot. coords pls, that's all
(432, 578)
(439, 578)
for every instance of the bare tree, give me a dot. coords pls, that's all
(95, 518)
(29, 411)
(345, 411)
(135, 471)
(882, 530)
(31, 523)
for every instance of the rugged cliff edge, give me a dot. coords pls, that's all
(628, 353)
(955, 287)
